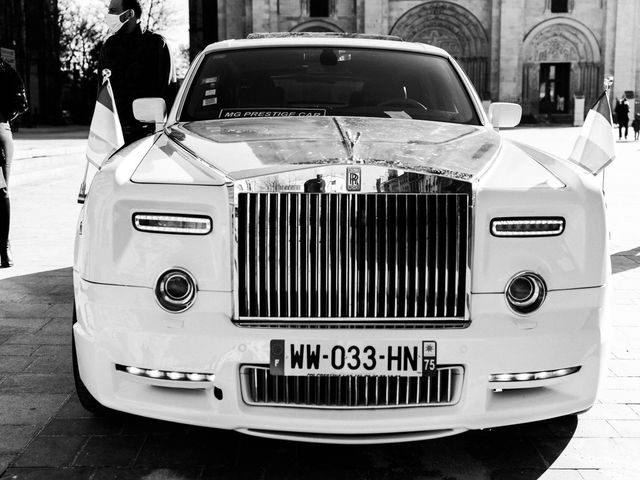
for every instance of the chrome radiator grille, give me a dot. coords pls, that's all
(305, 256)
(261, 388)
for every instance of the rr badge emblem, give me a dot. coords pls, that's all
(354, 179)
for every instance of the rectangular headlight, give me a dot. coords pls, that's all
(181, 224)
(527, 227)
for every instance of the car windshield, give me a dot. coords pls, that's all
(318, 81)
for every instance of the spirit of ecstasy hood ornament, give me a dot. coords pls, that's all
(350, 141)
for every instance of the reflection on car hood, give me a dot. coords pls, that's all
(242, 148)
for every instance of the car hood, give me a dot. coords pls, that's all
(242, 148)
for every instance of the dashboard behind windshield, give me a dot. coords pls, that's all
(319, 81)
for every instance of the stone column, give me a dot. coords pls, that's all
(625, 61)
(494, 42)
(511, 35)
(376, 17)
(260, 14)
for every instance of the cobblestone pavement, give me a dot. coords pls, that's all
(45, 433)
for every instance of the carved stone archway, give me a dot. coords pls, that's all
(454, 29)
(317, 26)
(561, 40)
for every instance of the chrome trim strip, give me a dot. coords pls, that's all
(278, 264)
(298, 248)
(289, 278)
(267, 251)
(307, 212)
(257, 260)
(446, 256)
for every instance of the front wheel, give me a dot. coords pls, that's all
(86, 399)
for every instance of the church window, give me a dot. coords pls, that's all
(559, 6)
(318, 8)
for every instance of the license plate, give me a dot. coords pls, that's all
(412, 358)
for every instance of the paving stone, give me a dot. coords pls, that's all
(588, 428)
(48, 474)
(41, 339)
(510, 474)
(51, 452)
(53, 350)
(61, 310)
(186, 450)
(5, 461)
(26, 323)
(29, 409)
(625, 368)
(83, 426)
(622, 383)
(120, 450)
(150, 474)
(135, 425)
(620, 396)
(558, 474)
(13, 438)
(25, 310)
(73, 409)
(582, 453)
(613, 411)
(24, 350)
(57, 326)
(51, 364)
(14, 363)
(609, 474)
(627, 428)
(37, 383)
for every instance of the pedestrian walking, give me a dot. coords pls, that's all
(13, 102)
(622, 114)
(140, 64)
(636, 126)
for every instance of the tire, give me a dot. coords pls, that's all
(86, 399)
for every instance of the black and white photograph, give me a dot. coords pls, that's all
(319, 239)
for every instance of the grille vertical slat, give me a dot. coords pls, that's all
(352, 256)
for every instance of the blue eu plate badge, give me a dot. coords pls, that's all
(429, 355)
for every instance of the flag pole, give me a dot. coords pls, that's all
(82, 194)
(608, 81)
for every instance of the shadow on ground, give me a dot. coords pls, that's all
(125, 446)
(71, 443)
(624, 261)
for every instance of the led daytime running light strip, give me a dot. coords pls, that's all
(189, 225)
(527, 227)
(529, 376)
(166, 375)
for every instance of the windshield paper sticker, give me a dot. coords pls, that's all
(271, 112)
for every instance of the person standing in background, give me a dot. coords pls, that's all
(636, 126)
(13, 102)
(622, 115)
(140, 64)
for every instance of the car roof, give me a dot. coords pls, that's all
(309, 39)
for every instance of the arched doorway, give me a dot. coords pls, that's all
(454, 29)
(561, 58)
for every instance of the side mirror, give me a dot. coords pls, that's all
(505, 115)
(150, 110)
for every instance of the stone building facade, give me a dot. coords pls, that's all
(539, 53)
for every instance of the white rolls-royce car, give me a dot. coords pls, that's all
(327, 240)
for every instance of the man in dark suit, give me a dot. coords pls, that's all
(140, 64)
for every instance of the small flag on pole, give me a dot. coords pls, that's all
(105, 133)
(594, 149)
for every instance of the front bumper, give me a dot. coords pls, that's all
(124, 325)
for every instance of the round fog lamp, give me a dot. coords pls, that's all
(175, 290)
(525, 292)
